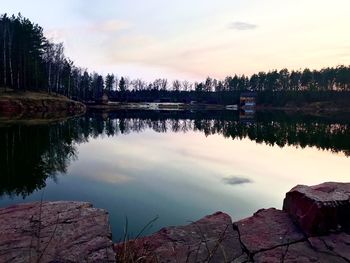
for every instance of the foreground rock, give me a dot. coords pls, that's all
(76, 232)
(55, 232)
(298, 252)
(333, 244)
(209, 239)
(270, 235)
(320, 209)
(267, 229)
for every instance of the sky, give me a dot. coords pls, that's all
(193, 39)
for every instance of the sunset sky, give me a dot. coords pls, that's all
(191, 39)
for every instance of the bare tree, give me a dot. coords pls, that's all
(127, 83)
(59, 62)
(176, 85)
(138, 84)
(116, 81)
(48, 58)
(186, 85)
(163, 84)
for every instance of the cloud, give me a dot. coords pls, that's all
(110, 26)
(242, 26)
(234, 180)
(57, 35)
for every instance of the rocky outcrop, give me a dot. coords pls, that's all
(298, 252)
(209, 239)
(76, 232)
(266, 229)
(55, 232)
(334, 244)
(320, 209)
(270, 235)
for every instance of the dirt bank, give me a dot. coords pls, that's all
(37, 105)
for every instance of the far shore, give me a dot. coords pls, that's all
(312, 108)
(37, 107)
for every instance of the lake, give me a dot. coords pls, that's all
(175, 165)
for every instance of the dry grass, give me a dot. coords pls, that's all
(10, 94)
(129, 251)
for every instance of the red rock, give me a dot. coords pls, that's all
(267, 229)
(55, 232)
(300, 252)
(336, 244)
(211, 238)
(319, 209)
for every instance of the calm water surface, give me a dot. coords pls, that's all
(179, 166)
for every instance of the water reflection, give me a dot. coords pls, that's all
(272, 128)
(31, 154)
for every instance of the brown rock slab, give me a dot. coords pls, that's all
(267, 229)
(209, 239)
(300, 252)
(335, 244)
(320, 209)
(55, 232)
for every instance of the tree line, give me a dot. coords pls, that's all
(29, 61)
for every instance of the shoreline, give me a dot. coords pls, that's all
(307, 109)
(313, 226)
(37, 106)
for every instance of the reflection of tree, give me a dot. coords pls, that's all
(31, 154)
(271, 128)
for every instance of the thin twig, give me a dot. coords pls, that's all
(149, 224)
(39, 225)
(51, 237)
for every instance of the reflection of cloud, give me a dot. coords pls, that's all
(114, 178)
(242, 26)
(112, 173)
(234, 180)
(202, 157)
(109, 177)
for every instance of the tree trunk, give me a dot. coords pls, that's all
(49, 80)
(68, 91)
(57, 81)
(18, 79)
(10, 57)
(36, 75)
(4, 53)
(24, 80)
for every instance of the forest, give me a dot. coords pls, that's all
(29, 61)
